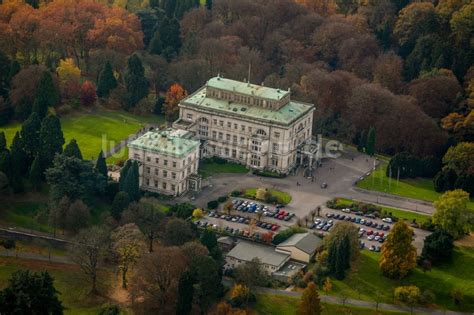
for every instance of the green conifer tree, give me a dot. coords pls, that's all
(51, 140)
(131, 185)
(106, 82)
(3, 142)
(19, 155)
(209, 4)
(36, 173)
(72, 149)
(46, 95)
(362, 142)
(135, 82)
(123, 174)
(370, 148)
(5, 163)
(30, 136)
(101, 165)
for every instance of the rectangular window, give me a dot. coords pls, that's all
(164, 186)
(250, 129)
(234, 153)
(227, 137)
(156, 184)
(229, 124)
(221, 123)
(276, 135)
(165, 162)
(165, 173)
(275, 147)
(243, 127)
(226, 151)
(148, 159)
(214, 135)
(147, 182)
(173, 187)
(189, 116)
(234, 139)
(214, 121)
(221, 135)
(236, 126)
(136, 156)
(173, 175)
(156, 171)
(174, 163)
(148, 170)
(157, 160)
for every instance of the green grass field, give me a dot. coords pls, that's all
(283, 197)
(365, 280)
(283, 305)
(399, 213)
(416, 188)
(23, 214)
(68, 280)
(208, 168)
(97, 131)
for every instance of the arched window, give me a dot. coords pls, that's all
(203, 120)
(261, 132)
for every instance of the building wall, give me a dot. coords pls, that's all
(163, 173)
(256, 145)
(234, 262)
(295, 253)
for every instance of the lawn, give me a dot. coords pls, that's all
(366, 279)
(97, 131)
(68, 280)
(283, 197)
(416, 188)
(208, 167)
(23, 214)
(399, 213)
(284, 305)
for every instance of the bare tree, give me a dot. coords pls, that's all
(88, 249)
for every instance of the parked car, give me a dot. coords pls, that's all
(329, 215)
(346, 210)
(387, 220)
(324, 185)
(370, 237)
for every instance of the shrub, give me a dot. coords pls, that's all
(213, 204)
(8, 243)
(222, 199)
(197, 213)
(218, 160)
(236, 193)
(301, 284)
(427, 297)
(282, 236)
(182, 210)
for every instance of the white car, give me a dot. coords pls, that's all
(370, 237)
(346, 210)
(387, 220)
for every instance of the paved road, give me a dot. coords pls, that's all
(340, 175)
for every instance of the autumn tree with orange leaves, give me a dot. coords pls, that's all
(173, 96)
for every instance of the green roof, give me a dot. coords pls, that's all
(167, 142)
(286, 115)
(247, 88)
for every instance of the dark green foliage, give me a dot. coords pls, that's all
(23, 109)
(36, 173)
(166, 40)
(17, 152)
(438, 247)
(362, 142)
(182, 210)
(222, 199)
(51, 140)
(6, 111)
(4, 75)
(33, 3)
(27, 291)
(101, 165)
(110, 310)
(466, 183)
(14, 69)
(177, 232)
(282, 236)
(106, 81)
(5, 163)
(135, 82)
(406, 165)
(185, 294)
(429, 52)
(131, 182)
(209, 4)
(30, 135)
(47, 95)
(121, 201)
(72, 150)
(213, 204)
(370, 147)
(209, 239)
(8, 243)
(339, 257)
(148, 220)
(445, 180)
(170, 7)
(111, 190)
(74, 178)
(123, 174)
(205, 272)
(3, 142)
(149, 20)
(158, 109)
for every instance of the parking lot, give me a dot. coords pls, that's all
(372, 231)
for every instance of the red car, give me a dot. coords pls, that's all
(370, 232)
(381, 234)
(283, 213)
(275, 227)
(280, 217)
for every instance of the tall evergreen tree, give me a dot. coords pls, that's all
(51, 140)
(4, 70)
(131, 184)
(19, 157)
(46, 95)
(370, 147)
(5, 163)
(362, 142)
(170, 7)
(30, 136)
(135, 82)
(14, 69)
(209, 4)
(101, 165)
(3, 142)
(185, 293)
(72, 149)
(36, 173)
(123, 174)
(106, 82)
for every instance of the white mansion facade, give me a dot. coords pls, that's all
(254, 125)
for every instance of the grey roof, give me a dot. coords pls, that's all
(225, 240)
(307, 242)
(247, 251)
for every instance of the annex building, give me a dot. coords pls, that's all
(254, 125)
